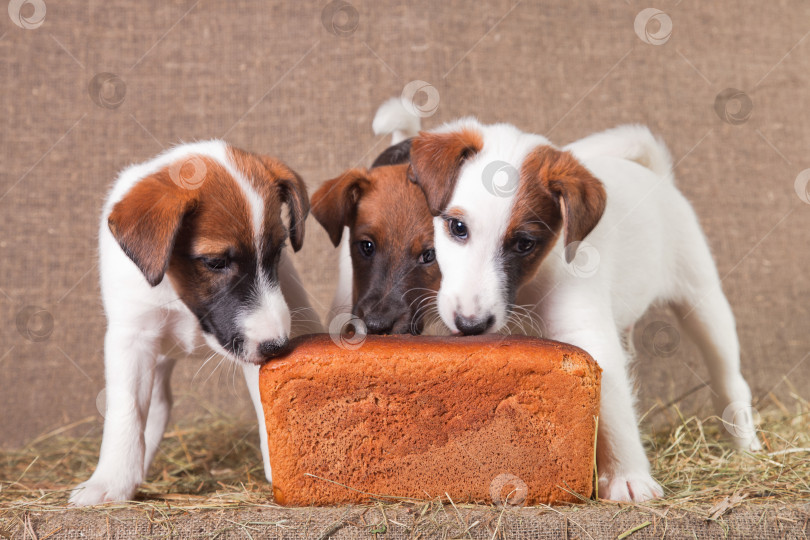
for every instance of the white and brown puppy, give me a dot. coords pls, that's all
(191, 245)
(512, 213)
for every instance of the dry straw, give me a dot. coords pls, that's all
(214, 463)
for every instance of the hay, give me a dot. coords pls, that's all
(214, 463)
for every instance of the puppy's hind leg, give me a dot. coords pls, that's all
(706, 316)
(159, 409)
(708, 320)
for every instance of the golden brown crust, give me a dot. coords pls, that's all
(424, 416)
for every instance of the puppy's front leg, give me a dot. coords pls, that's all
(251, 373)
(624, 471)
(129, 361)
(304, 321)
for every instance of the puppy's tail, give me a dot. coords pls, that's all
(393, 119)
(632, 142)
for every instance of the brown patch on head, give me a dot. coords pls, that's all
(148, 219)
(275, 183)
(392, 212)
(580, 196)
(436, 159)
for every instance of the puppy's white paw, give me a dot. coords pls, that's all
(751, 444)
(95, 492)
(629, 488)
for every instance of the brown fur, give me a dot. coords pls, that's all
(436, 159)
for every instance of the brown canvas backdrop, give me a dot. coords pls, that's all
(270, 77)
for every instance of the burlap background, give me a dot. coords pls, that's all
(271, 77)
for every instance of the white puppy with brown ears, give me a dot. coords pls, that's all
(512, 211)
(191, 245)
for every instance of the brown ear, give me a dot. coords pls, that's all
(436, 159)
(293, 192)
(145, 222)
(335, 202)
(580, 196)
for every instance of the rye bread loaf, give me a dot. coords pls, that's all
(481, 419)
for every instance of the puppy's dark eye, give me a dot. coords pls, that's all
(457, 228)
(524, 245)
(366, 248)
(427, 256)
(216, 264)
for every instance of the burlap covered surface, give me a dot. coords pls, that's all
(287, 79)
(753, 521)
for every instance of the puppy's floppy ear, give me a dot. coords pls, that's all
(145, 222)
(335, 202)
(293, 192)
(395, 154)
(436, 160)
(580, 196)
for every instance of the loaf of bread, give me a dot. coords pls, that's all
(509, 420)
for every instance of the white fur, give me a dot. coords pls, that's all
(342, 300)
(649, 248)
(148, 326)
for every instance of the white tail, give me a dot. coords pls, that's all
(392, 118)
(632, 142)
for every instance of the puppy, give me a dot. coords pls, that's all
(191, 245)
(388, 276)
(514, 216)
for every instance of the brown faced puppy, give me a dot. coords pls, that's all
(387, 229)
(388, 274)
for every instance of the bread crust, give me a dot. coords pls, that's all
(422, 417)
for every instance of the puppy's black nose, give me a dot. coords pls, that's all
(376, 324)
(269, 349)
(470, 326)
